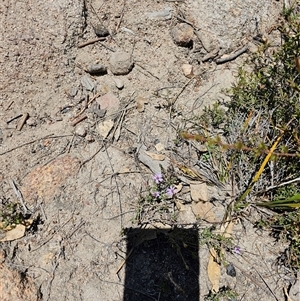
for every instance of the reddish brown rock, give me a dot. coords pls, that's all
(43, 181)
(182, 35)
(109, 102)
(16, 287)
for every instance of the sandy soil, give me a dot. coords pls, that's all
(82, 187)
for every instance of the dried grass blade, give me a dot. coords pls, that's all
(261, 169)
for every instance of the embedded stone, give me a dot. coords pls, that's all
(183, 35)
(120, 63)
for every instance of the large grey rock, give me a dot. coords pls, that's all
(229, 24)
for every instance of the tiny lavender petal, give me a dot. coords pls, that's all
(157, 178)
(156, 194)
(237, 250)
(171, 191)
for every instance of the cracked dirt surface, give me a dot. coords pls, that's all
(82, 188)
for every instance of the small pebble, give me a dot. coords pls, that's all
(127, 30)
(159, 147)
(120, 63)
(230, 270)
(31, 121)
(187, 70)
(89, 138)
(119, 83)
(101, 30)
(140, 104)
(87, 83)
(160, 15)
(183, 35)
(73, 92)
(97, 69)
(105, 127)
(109, 102)
(80, 131)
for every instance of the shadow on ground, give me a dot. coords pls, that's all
(162, 265)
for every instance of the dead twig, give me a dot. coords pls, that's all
(43, 211)
(266, 284)
(185, 21)
(121, 16)
(107, 47)
(232, 56)
(288, 298)
(82, 223)
(90, 101)
(177, 286)
(93, 156)
(33, 141)
(22, 122)
(124, 261)
(251, 278)
(282, 184)
(91, 42)
(172, 102)
(117, 129)
(9, 104)
(54, 231)
(14, 118)
(79, 119)
(19, 196)
(71, 143)
(48, 289)
(117, 186)
(113, 217)
(147, 71)
(97, 240)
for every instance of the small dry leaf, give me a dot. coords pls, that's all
(4, 227)
(180, 206)
(214, 270)
(140, 104)
(157, 157)
(105, 128)
(117, 133)
(199, 192)
(14, 234)
(226, 229)
(288, 298)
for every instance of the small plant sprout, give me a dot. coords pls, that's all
(236, 250)
(158, 178)
(171, 191)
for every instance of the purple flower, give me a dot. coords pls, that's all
(236, 250)
(156, 194)
(171, 191)
(157, 178)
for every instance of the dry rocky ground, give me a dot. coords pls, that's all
(85, 125)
